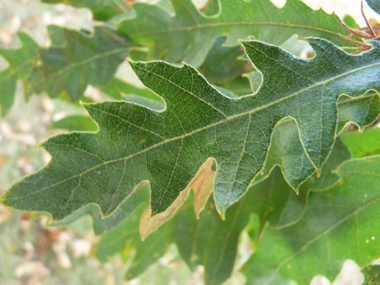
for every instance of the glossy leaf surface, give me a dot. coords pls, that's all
(136, 144)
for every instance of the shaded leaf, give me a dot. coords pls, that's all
(222, 64)
(188, 35)
(338, 224)
(22, 62)
(83, 60)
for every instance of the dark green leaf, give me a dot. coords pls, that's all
(136, 144)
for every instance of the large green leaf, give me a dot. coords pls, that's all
(136, 144)
(22, 62)
(286, 206)
(81, 61)
(189, 35)
(338, 224)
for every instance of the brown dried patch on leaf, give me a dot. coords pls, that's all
(202, 185)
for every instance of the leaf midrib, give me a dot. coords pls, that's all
(317, 84)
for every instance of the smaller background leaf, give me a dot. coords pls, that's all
(83, 60)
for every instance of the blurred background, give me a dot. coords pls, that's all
(33, 254)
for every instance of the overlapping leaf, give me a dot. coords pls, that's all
(136, 144)
(274, 189)
(338, 224)
(189, 35)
